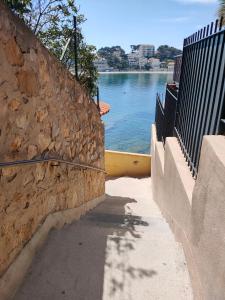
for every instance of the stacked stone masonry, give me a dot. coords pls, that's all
(44, 113)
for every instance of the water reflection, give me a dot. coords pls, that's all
(113, 79)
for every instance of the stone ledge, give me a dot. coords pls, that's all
(13, 277)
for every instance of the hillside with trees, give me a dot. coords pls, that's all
(166, 52)
(115, 56)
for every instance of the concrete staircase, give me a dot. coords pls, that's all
(122, 250)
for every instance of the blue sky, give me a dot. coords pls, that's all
(127, 22)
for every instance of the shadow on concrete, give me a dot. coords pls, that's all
(74, 261)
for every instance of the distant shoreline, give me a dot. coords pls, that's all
(137, 72)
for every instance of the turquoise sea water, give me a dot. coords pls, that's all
(132, 100)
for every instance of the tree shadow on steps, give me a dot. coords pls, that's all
(89, 259)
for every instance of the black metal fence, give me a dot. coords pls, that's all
(165, 113)
(177, 68)
(170, 110)
(200, 106)
(159, 119)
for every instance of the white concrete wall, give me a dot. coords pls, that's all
(195, 209)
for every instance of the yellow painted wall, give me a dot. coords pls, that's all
(127, 164)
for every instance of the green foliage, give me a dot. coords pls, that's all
(88, 73)
(52, 22)
(19, 6)
(166, 52)
(115, 57)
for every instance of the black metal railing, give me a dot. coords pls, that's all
(170, 110)
(166, 113)
(201, 91)
(200, 107)
(177, 69)
(159, 119)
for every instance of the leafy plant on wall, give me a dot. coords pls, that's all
(52, 22)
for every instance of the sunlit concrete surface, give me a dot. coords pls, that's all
(123, 250)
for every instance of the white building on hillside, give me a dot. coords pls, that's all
(101, 64)
(171, 66)
(138, 58)
(146, 51)
(142, 62)
(154, 63)
(133, 59)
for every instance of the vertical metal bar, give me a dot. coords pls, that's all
(178, 120)
(204, 32)
(213, 82)
(205, 102)
(169, 111)
(207, 30)
(182, 99)
(186, 86)
(219, 81)
(211, 28)
(219, 99)
(98, 105)
(180, 95)
(195, 95)
(216, 26)
(192, 97)
(201, 35)
(221, 23)
(199, 101)
(75, 47)
(190, 81)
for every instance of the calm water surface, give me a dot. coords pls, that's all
(132, 100)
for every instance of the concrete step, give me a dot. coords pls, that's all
(123, 250)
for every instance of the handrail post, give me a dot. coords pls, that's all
(98, 105)
(75, 46)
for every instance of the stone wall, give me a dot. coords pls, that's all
(195, 209)
(44, 113)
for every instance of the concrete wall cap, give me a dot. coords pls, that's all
(217, 143)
